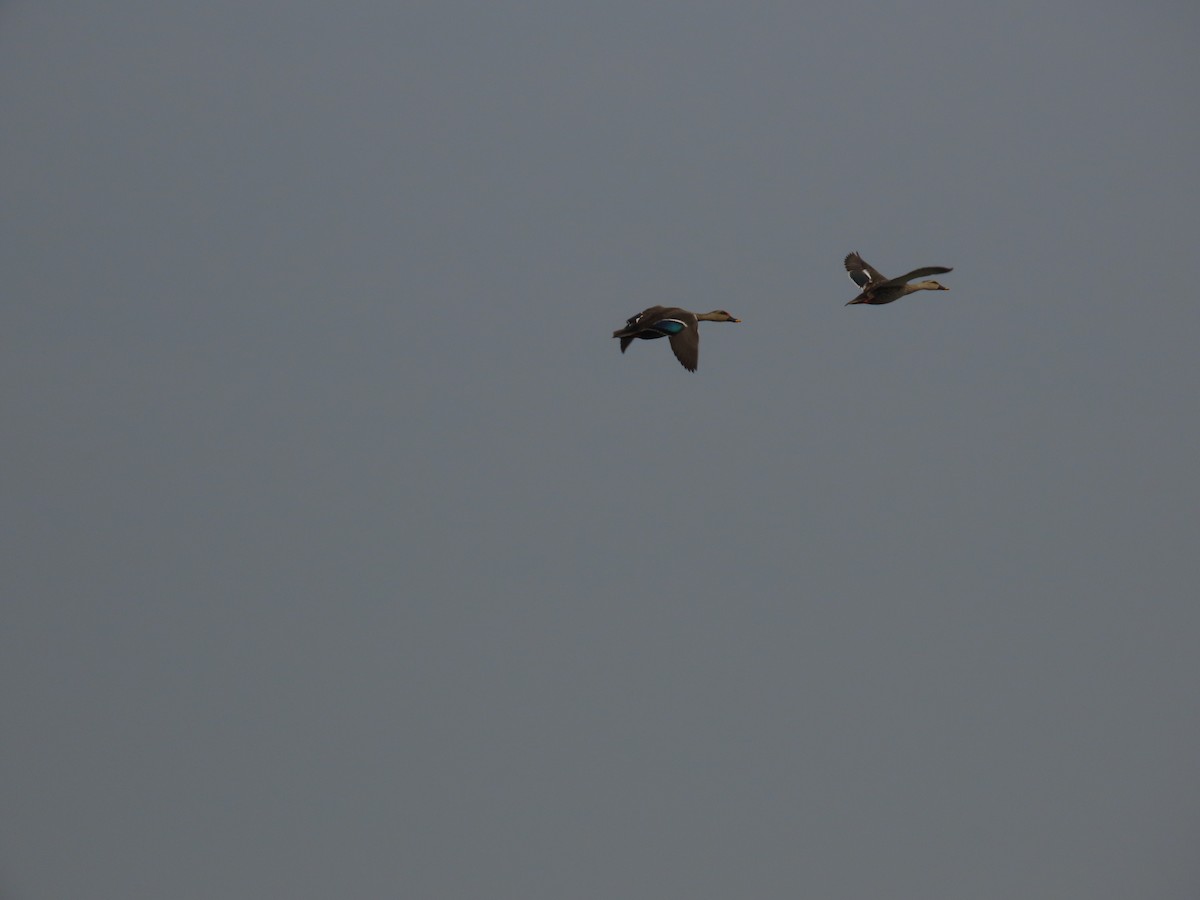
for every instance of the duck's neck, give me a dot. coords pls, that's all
(922, 286)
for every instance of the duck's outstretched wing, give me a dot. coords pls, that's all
(921, 273)
(686, 347)
(860, 272)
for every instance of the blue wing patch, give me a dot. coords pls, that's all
(669, 326)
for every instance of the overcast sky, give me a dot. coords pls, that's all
(346, 556)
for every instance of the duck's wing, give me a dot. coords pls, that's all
(861, 272)
(686, 346)
(921, 273)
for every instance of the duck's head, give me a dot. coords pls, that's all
(930, 286)
(717, 315)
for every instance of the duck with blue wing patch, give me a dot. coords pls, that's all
(680, 326)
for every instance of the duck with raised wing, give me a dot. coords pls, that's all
(877, 290)
(679, 325)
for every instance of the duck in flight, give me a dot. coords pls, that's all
(680, 326)
(877, 290)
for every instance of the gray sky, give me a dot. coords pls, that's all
(346, 556)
